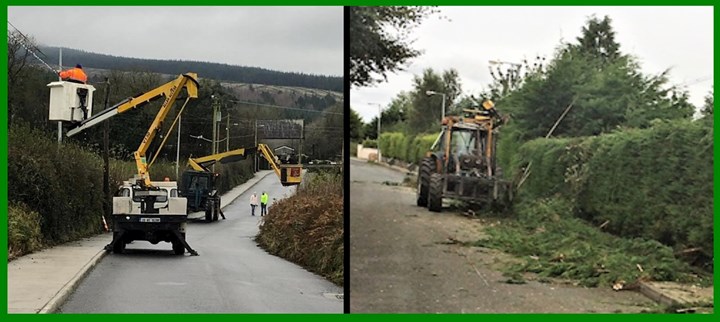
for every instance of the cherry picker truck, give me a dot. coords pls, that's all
(145, 209)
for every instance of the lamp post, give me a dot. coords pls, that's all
(431, 93)
(378, 129)
(200, 137)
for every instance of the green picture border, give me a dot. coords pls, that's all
(4, 316)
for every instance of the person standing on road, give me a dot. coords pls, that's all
(253, 202)
(263, 203)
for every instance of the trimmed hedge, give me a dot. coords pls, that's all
(233, 174)
(410, 149)
(307, 227)
(653, 183)
(370, 144)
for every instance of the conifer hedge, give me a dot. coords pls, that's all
(653, 183)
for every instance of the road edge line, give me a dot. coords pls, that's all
(59, 299)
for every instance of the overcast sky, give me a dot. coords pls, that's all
(680, 38)
(296, 39)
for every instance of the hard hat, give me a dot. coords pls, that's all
(78, 66)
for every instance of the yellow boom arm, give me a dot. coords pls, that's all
(202, 163)
(170, 91)
(289, 175)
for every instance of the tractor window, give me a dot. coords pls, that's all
(439, 144)
(198, 183)
(464, 142)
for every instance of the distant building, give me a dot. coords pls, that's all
(285, 154)
(283, 151)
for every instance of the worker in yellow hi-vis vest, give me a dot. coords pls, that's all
(263, 203)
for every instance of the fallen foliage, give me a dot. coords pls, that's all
(553, 243)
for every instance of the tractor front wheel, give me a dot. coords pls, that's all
(424, 181)
(435, 191)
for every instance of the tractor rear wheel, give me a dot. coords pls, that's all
(424, 181)
(208, 210)
(435, 191)
(216, 210)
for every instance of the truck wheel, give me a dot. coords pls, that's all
(178, 247)
(118, 246)
(435, 191)
(423, 178)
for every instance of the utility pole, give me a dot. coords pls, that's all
(214, 124)
(255, 164)
(59, 138)
(177, 155)
(227, 134)
(106, 155)
(302, 141)
(378, 134)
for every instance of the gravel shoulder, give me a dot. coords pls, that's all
(404, 258)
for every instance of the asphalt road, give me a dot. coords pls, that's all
(404, 258)
(231, 275)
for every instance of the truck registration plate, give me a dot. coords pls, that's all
(149, 219)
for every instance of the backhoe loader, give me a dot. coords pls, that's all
(462, 163)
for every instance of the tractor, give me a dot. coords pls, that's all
(461, 164)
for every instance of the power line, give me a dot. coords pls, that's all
(24, 42)
(285, 107)
(697, 80)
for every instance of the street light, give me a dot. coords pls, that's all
(378, 129)
(200, 137)
(431, 93)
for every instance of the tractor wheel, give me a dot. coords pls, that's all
(208, 211)
(423, 181)
(178, 247)
(215, 210)
(435, 191)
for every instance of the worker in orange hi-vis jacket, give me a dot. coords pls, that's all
(75, 75)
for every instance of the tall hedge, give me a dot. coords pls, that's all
(61, 189)
(61, 183)
(655, 183)
(234, 174)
